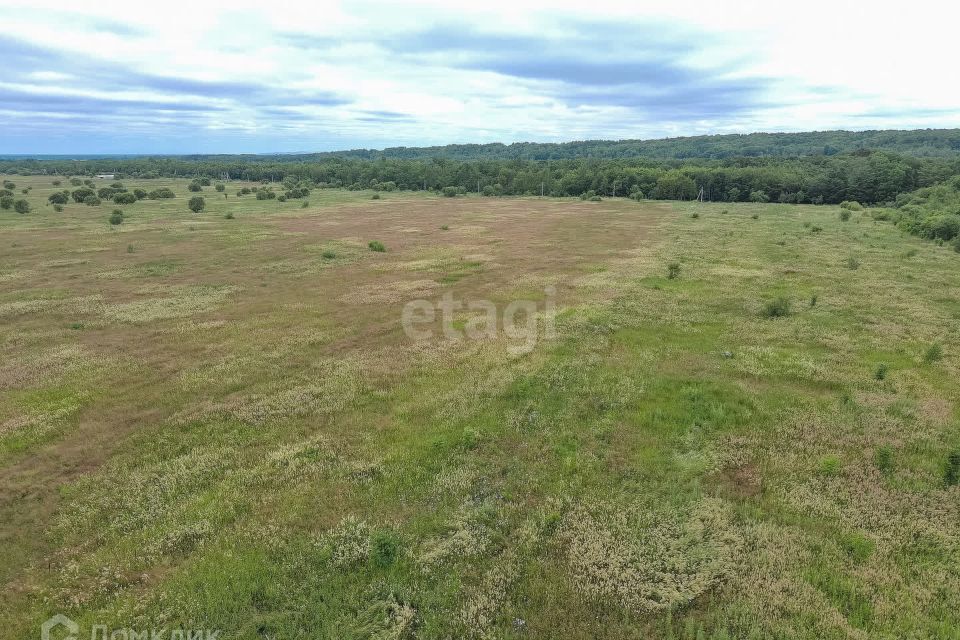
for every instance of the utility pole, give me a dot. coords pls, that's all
(541, 189)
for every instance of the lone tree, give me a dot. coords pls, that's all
(21, 206)
(196, 204)
(59, 197)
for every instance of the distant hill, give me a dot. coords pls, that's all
(922, 142)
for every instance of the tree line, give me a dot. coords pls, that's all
(867, 176)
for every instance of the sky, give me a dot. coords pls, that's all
(261, 77)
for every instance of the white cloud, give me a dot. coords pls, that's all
(352, 74)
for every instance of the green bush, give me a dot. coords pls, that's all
(328, 254)
(194, 187)
(376, 245)
(951, 473)
(229, 215)
(451, 192)
(880, 373)
(933, 354)
(673, 270)
(883, 458)
(203, 182)
(81, 194)
(197, 204)
(282, 197)
(844, 214)
(851, 205)
(76, 182)
(695, 215)
(375, 196)
(21, 206)
(852, 263)
(116, 217)
(384, 549)
(220, 187)
(139, 194)
(777, 308)
(124, 198)
(6, 202)
(58, 208)
(10, 186)
(161, 193)
(91, 201)
(59, 198)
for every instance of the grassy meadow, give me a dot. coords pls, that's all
(742, 428)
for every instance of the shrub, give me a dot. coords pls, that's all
(6, 202)
(852, 263)
(5, 192)
(951, 473)
(10, 186)
(376, 196)
(229, 215)
(58, 208)
(844, 214)
(21, 206)
(384, 549)
(124, 198)
(451, 192)
(755, 216)
(883, 458)
(116, 217)
(55, 183)
(91, 201)
(829, 466)
(196, 204)
(816, 229)
(376, 245)
(59, 198)
(851, 205)
(76, 182)
(813, 301)
(282, 197)
(161, 193)
(880, 373)
(194, 187)
(445, 227)
(777, 308)
(139, 194)
(204, 182)
(88, 182)
(81, 194)
(220, 187)
(933, 354)
(304, 204)
(245, 190)
(673, 270)
(328, 254)
(759, 196)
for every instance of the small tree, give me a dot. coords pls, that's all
(220, 187)
(9, 185)
(6, 202)
(59, 198)
(21, 206)
(139, 194)
(196, 204)
(194, 187)
(116, 217)
(124, 198)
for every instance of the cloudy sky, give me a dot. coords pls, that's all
(227, 77)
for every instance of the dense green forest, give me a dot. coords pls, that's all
(909, 172)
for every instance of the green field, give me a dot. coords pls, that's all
(212, 422)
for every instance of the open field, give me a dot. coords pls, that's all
(220, 423)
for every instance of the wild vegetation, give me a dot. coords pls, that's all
(213, 419)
